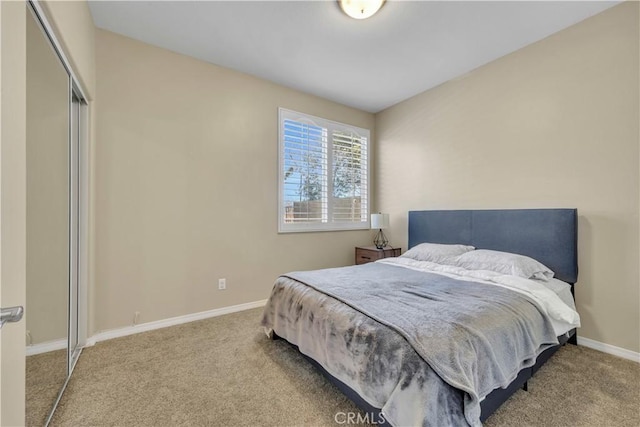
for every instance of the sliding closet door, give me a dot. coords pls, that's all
(48, 223)
(56, 134)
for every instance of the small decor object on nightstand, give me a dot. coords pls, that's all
(380, 221)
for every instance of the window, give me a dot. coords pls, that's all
(324, 174)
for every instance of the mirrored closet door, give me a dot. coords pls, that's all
(55, 122)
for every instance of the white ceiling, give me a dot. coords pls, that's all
(407, 48)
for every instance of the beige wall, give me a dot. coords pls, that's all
(186, 185)
(552, 125)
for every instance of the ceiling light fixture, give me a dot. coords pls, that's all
(360, 9)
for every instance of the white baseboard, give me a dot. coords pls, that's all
(144, 327)
(158, 324)
(610, 349)
(46, 347)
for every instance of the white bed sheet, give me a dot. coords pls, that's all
(552, 297)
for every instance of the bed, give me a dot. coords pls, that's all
(383, 334)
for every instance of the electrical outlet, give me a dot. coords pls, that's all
(222, 284)
(29, 339)
(136, 317)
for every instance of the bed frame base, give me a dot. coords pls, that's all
(488, 406)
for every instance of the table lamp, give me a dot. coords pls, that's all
(380, 221)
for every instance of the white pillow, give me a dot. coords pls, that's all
(435, 252)
(505, 263)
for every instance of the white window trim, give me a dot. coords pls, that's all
(283, 227)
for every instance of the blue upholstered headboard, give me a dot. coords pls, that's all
(547, 235)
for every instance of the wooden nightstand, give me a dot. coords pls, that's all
(367, 254)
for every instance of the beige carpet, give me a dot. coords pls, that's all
(45, 375)
(224, 372)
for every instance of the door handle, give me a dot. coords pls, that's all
(10, 314)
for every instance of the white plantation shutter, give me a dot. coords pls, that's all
(323, 174)
(304, 162)
(349, 177)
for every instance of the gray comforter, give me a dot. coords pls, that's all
(444, 346)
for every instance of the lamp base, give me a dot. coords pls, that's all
(380, 240)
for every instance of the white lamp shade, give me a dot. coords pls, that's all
(380, 220)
